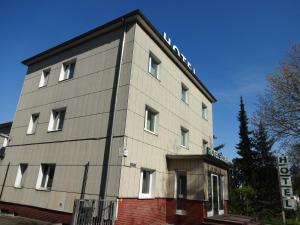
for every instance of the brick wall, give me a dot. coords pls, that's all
(37, 213)
(158, 211)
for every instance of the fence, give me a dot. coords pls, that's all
(94, 212)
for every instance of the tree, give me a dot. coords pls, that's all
(266, 186)
(244, 165)
(279, 107)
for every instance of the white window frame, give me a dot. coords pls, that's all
(185, 131)
(151, 184)
(20, 175)
(65, 70)
(204, 111)
(152, 57)
(5, 142)
(44, 78)
(55, 121)
(184, 93)
(155, 125)
(32, 126)
(41, 175)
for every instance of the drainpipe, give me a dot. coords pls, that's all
(86, 170)
(7, 168)
(112, 115)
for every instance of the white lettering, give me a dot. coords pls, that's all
(183, 58)
(168, 40)
(175, 48)
(177, 51)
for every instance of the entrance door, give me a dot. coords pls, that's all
(215, 195)
(181, 192)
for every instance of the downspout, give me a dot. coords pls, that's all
(112, 115)
(5, 176)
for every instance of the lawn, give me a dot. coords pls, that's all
(278, 221)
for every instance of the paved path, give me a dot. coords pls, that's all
(15, 220)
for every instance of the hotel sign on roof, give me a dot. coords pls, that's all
(179, 53)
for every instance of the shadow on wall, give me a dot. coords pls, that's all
(93, 43)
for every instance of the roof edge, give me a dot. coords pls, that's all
(133, 16)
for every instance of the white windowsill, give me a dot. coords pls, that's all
(43, 189)
(145, 196)
(180, 212)
(154, 76)
(151, 132)
(187, 103)
(51, 131)
(185, 147)
(18, 187)
(64, 80)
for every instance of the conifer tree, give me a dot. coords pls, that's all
(245, 162)
(267, 187)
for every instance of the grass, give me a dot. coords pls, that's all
(278, 221)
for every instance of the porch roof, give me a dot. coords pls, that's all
(206, 158)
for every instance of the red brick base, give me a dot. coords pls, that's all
(37, 213)
(158, 212)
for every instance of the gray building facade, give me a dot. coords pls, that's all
(120, 101)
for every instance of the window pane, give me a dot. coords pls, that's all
(184, 93)
(45, 169)
(51, 176)
(153, 66)
(61, 120)
(209, 206)
(23, 168)
(150, 122)
(184, 137)
(71, 70)
(204, 111)
(221, 196)
(182, 186)
(146, 182)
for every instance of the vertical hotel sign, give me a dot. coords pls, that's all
(285, 182)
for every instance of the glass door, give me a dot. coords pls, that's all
(215, 195)
(181, 192)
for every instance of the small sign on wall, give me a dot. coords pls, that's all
(285, 183)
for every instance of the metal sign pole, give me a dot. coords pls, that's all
(281, 198)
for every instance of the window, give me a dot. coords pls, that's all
(5, 142)
(184, 93)
(153, 65)
(205, 146)
(67, 71)
(44, 78)
(21, 175)
(33, 123)
(221, 192)
(151, 120)
(146, 184)
(204, 111)
(184, 137)
(181, 192)
(45, 177)
(57, 119)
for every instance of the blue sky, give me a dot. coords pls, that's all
(232, 44)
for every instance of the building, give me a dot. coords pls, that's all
(115, 113)
(4, 137)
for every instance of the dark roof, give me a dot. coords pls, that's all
(5, 127)
(134, 16)
(206, 158)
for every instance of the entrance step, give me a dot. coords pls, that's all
(231, 220)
